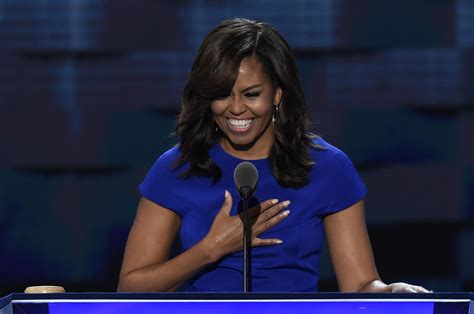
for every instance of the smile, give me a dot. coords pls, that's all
(240, 125)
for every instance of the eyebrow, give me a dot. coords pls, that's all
(250, 87)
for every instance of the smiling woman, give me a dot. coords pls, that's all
(242, 68)
(243, 101)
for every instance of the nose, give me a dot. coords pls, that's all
(237, 106)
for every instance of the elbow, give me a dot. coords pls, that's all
(124, 284)
(133, 282)
(130, 283)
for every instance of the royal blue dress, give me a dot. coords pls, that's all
(292, 266)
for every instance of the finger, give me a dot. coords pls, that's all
(272, 212)
(270, 222)
(422, 289)
(260, 208)
(227, 205)
(407, 288)
(265, 242)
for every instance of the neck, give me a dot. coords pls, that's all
(259, 149)
(245, 153)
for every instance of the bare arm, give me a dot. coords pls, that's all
(351, 254)
(146, 264)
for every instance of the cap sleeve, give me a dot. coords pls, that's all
(161, 183)
(343, 187)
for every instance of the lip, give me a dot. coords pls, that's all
(239, 130)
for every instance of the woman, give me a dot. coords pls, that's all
(242, 102)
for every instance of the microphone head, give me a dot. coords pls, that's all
(246, 178)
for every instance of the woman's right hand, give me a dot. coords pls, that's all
(226, 233)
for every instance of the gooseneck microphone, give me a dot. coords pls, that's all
(246, 178)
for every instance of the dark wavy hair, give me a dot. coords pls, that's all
(213, 75)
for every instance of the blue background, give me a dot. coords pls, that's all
(89, 92)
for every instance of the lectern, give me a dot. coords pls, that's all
(238, 303)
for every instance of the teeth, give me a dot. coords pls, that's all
(240, 123)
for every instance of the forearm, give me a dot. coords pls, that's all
(169, 275)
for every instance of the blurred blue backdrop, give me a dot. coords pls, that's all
(89, 92)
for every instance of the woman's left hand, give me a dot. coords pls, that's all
(402, 287)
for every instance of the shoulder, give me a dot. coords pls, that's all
(328, 154)
(161, 183)
(170, 155)
(165, 162)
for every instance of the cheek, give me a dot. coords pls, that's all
(263, 108)
(218, 108)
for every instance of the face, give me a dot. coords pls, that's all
(245, 115)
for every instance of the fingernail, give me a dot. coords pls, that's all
(285, 213)
(278, 241)
(274, 201)
(226, 194)
(286, 203)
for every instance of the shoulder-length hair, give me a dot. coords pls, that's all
(213, 75)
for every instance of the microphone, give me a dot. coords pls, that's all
(246, 178)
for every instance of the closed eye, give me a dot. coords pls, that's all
(252, 95)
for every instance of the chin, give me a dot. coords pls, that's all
(240, 140)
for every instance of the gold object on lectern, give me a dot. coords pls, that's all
(45, 289)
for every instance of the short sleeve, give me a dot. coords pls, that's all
(161, 182)
(343, 187)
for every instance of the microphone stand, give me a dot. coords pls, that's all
(245, 194)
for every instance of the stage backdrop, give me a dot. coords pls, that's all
(89, 92)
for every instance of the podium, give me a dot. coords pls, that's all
(233, 303)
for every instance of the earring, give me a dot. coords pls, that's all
(275, 112)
